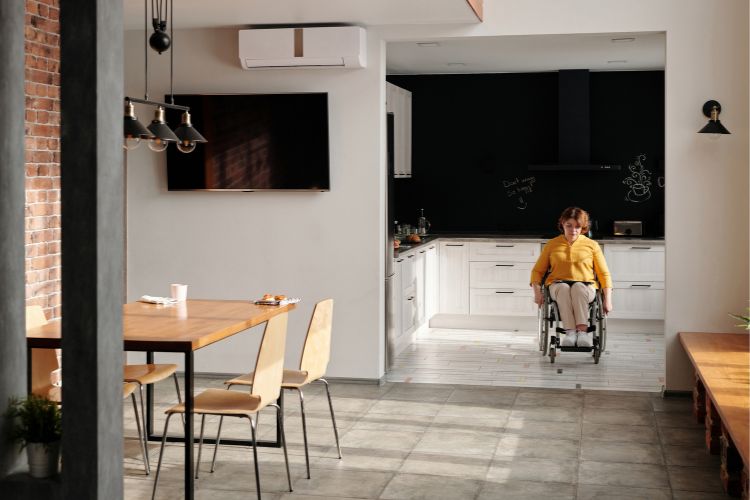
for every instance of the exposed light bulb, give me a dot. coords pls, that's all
(157, 145)
(186, 146)
(131, 143)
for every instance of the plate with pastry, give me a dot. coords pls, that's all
(276, 300)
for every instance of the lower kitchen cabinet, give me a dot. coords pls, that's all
(454, 277)
(639, 300)
(432, 282)
(502, 302)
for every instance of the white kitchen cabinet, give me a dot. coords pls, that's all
(395, 313)
(504, 251)
(502, 301)
(500, 274)
(408, 292)
(431, 277)
(638, 280)
(641, 262)
(420, 288)
(398, 102)
(454, 277)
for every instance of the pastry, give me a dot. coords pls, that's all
(280, 297)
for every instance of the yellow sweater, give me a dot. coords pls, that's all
(581, 261)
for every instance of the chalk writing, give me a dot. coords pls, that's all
(660, 181)
(639, 181)
(519, 188)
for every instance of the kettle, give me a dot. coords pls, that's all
(423, 225)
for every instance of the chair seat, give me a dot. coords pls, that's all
(292, 379)
(148, 374)
(128, 388)
(221, 402)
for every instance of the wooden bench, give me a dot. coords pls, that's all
(721, 400)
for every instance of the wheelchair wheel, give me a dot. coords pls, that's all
(603, 330)
(597, 353)
(552, 354)
(540, 329)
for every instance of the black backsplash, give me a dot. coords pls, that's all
(473, 137)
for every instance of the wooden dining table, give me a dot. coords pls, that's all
(184, 327)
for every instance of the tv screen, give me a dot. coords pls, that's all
(255, 142)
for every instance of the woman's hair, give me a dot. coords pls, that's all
(580, 215)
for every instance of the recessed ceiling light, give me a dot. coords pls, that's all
(624, 39)
(428, 44)
(455, 64)
(617, 61)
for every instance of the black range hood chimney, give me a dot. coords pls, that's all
(574, 125)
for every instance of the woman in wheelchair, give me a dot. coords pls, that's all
(573, 263)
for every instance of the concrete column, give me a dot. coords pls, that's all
(92, 247)
(12, 192)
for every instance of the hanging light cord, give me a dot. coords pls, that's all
(145, 44)
(171, 52)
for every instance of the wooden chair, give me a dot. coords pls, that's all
(266, 387)
(315, 356)
(128, 389)
(150, 374)
(43, 361)
(46, 361)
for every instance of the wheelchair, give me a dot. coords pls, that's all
(550, 330)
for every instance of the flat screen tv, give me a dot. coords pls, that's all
(256, 142)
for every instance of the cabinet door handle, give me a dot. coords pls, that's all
(410, 298)
(410, 256)
(503, 292)
(454, 245)
(504, 265)
(504, 246)
(640, 286)
(640, 248)
(433, 246)
(400, 260)
(422, 251)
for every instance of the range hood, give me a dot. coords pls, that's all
(574, 125)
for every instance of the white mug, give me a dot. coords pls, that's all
(179, 292)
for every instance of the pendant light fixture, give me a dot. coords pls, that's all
(158, 134)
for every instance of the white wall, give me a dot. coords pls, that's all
(241, 245)
(330, 244)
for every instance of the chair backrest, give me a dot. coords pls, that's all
(43, 361)
(269, 367)
(317, 350)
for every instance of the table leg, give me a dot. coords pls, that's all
(28, 370)
(189, 493)
(149, 424)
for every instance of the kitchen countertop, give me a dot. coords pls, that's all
(520, 238)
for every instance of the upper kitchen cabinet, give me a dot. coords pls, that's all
(398, 102)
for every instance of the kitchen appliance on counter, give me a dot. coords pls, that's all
(628, 228)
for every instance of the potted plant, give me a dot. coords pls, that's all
(745, 320)
(35, 422)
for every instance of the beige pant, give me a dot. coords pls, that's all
(572, 302)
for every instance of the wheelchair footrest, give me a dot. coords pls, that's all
(560, 330)
(576, 349)
(591, 328)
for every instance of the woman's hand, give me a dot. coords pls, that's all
(607, 300)
(538, 297)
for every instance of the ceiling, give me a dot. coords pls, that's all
(241, 13)
(524, 54)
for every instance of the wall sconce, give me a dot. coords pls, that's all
(158, 134)
(712, 109)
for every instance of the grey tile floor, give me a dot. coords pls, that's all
(430, 441)
(631, 362)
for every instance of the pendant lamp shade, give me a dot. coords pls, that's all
(186, 132)
(160, 129)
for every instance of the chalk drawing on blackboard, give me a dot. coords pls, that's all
(520, 189)
(639, 181)
(660, 181)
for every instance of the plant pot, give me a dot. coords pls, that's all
(43, 458)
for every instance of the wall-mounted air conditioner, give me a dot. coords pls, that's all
(319, 47)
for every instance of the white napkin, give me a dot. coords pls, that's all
(166, 301)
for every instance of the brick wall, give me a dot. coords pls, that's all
(43, 155)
